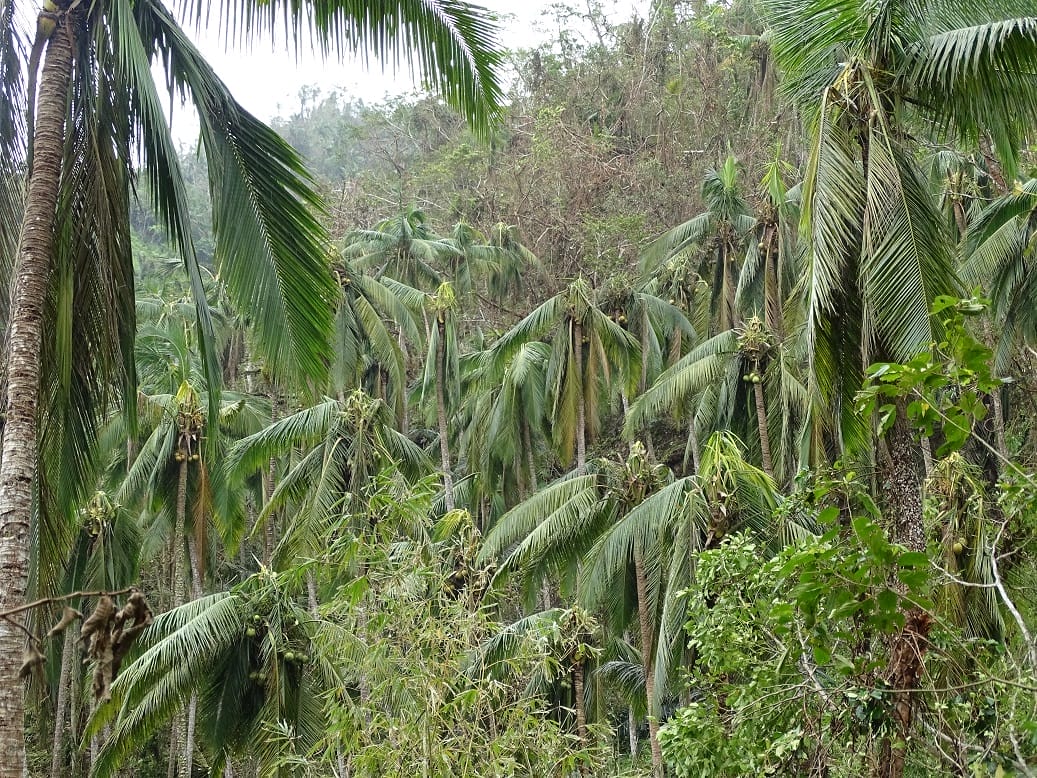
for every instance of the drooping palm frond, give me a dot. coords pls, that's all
(906, 260)
(271, 250)
(553, 526)
(305, 428)
(403, 247)
(452, 44)
(493, 657)
(973, 68)
(998, 256)
(699, 368)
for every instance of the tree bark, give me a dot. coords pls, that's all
(693, 445)
(907, 650)
(761, 421)
(531, 464)
(188, 758)
(444, 436)
(177, 541)
(642, 380)
(773, 314)
(18, 466)
(647, 659)
(581, 711)
(632, 733)
(75, 709)
(178, 760)
(57, 766)
(581, 403)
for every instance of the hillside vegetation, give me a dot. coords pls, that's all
(682, 424)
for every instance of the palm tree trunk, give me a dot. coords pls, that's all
(188, 759)
(773, 315)
(444, 438)
(57, 766)
(729, 318)
(178, 760)
(581, 403)
(906, 650)
(581, 710)
(642, 381)
(531, 464)
(18, 466)
(75, 702)
(647, 655)
(192, 709)
(632, 733)
(693, 445)
(761, 421)
(179, 529)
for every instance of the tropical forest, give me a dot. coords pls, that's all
(656, 397)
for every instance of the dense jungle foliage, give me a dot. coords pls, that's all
(681, 424)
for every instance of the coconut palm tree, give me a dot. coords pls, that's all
(507, 429)
(716, 237)
(334, 450)
(249, 656)
(632, 531)
(998, 257)
(403, 247)
(878, 250)
(728, 382)
(374, 322)
(514, 262)
(98, 109)
(441, 378)
(592, 358)
(773, 262)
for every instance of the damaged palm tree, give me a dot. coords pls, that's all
(754, 343)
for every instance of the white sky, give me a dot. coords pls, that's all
(267, 82)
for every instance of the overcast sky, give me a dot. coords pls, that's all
(267, 81)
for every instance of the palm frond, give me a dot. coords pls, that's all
(452, 43)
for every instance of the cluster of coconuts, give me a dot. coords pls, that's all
(183, 456)
(752, 378)
(288, 655)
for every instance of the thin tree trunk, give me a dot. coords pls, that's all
(75, 695)
(631, 719)
(693, 445)
(192, 715)
(178, 758)
(18, 466)
(642, 381)
(404, 420)
(927, 456)
(530, 457)
(192, 710)
(761, 421)
(57, 766)
(269, 481)
(444, 438)
(311, 592)
(773, 314)
(632, 733)
(647, 658)
(581, 711)
(179, 530)
(581, 403)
